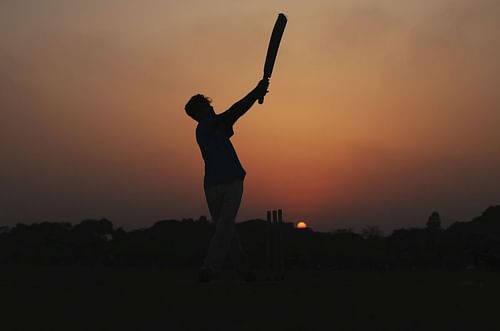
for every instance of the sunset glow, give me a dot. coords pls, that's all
(379, 112)
(301, 225)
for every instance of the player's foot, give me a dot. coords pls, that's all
(205, 275)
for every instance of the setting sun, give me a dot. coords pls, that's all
(301, 225)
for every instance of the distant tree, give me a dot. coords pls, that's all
(490, 215)
(202, 219)
(97, 228)
(184, 244)
(434, 222)
(343, 231)
(372, 232)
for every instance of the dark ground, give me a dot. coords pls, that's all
(112, 298)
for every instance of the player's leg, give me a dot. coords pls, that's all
(214, 196)
(236, 252)
(226, 203)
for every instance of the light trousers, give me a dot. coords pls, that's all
(223, 202)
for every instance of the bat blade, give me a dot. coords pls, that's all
(272, 49)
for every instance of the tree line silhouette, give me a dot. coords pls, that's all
(183, 243)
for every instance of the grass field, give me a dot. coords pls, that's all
(111, 298)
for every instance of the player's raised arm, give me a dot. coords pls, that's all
(242, 106)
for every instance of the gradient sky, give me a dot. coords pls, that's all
(379, 112)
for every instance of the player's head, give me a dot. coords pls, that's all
(198, 107)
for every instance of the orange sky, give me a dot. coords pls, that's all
(379, 112)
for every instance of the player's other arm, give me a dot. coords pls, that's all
(237, 110)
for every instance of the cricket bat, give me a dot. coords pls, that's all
(272, 49)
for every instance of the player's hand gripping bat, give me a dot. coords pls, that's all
(272, 49)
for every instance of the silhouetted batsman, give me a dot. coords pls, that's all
(224, 175)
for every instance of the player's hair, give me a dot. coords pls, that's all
(193, 105)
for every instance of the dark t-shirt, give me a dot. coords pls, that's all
(222, 165)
